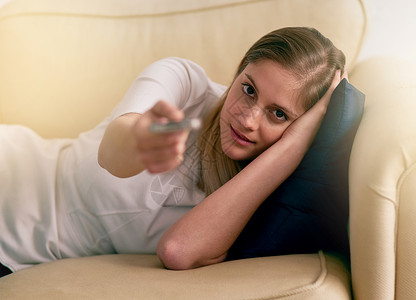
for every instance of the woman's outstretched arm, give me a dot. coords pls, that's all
(204, 235)
(128, 147)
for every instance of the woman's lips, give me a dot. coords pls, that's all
(240, 138)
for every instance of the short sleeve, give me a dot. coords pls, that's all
(175, 80)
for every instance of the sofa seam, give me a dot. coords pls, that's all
(402, 179)
(302, 289)
(137, 15)
(363, 33)
(396, 203)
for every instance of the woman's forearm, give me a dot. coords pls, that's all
(204, 235)
(117, 149)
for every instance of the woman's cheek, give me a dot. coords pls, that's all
(273, 135)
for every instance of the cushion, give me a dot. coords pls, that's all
(129, 276)
(310, 210)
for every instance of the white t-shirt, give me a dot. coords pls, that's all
(57, 202)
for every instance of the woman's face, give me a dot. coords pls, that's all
(260, 105)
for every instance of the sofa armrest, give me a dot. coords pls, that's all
(382, 182)
(123, 276)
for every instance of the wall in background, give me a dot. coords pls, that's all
(391, 28)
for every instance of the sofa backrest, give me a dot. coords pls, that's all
(65, 64)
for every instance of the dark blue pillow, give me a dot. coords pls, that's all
(310, 210)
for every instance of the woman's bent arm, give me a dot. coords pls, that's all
(204, 235)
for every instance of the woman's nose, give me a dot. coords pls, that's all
(250, 117)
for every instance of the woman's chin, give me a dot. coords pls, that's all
(236, 154)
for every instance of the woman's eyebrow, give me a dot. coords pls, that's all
(252, 82)
(285, 109)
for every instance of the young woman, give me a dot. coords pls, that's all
(121, 188)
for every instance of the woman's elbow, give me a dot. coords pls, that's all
(174, 257)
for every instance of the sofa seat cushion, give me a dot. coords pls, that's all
(123, 276)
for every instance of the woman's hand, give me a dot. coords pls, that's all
(128, 147)
(304, 129)
(160, 152)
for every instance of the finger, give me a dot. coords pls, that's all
(163, 109)
(162, 154)
(335, 81)
(163, 140)
(165, 166)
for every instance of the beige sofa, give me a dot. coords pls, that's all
(65, 64)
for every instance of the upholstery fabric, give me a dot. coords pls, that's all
(317, 276)
(382, 181)
(68, 63)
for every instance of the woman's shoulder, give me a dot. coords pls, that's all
(185, 69)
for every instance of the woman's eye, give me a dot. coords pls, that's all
(280, 115)
(248, 90)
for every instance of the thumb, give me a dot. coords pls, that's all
(165, 110)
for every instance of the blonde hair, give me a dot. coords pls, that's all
(307, 54)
